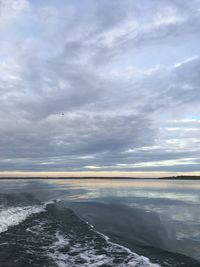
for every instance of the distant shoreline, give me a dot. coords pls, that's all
(102, 178)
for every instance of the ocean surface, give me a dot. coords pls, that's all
(107, 223)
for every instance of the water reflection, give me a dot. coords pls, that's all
(173, 208)
(175, 190)
(159, 213)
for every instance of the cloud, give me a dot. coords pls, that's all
(10, 10)
(125, 75)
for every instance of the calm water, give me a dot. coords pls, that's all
(149, 223)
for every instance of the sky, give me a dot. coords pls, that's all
(100, 87)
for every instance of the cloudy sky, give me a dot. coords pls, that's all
(125, 74)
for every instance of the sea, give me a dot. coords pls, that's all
(99, 222)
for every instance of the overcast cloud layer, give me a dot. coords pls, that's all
(125, 74)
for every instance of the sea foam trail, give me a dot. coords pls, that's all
(64, 240)
(15, 215)
(137, 259)
(89, 256)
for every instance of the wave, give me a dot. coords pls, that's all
(91, 255)
(51, 235)
(48, 234)
(15, 215)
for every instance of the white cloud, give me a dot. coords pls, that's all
(109, 73)
(10, 9)
(187, 60)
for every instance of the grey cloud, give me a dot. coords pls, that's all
(73, 66)
(74, 134)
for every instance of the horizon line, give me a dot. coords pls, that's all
(96, 174)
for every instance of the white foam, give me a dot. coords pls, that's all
(15, 215)
(90, 256)
(144, 260)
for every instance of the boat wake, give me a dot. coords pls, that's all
(52, 235)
